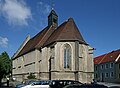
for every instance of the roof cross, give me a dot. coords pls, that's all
(52, 4)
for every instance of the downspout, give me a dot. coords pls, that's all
(76, 60)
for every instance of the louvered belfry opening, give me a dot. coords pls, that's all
(53, 19)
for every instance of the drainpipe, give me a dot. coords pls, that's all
(76, 60)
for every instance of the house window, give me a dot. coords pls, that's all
(111, 74)
(106, 66)
(67, 56)
(106, 75)
(96, 76)
(119, 66)
(96, 68)
(101, 66)
(111, 65)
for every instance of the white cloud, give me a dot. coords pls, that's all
(44, 8)
(15, 11)
(3, 42)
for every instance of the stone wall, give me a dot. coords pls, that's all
(48, 63)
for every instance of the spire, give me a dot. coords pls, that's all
(52, 4)
(53, 19)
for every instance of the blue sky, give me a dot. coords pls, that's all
(97, 20)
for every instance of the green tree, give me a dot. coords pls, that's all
(5, 65)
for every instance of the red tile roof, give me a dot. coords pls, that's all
(111, 56)
(118, 59)
(98, 59)
(65, 32)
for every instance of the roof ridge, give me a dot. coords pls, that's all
(47, 41)
(82, 40)
(43, 37)
(103, 58)
(39, 32)
(108, 57)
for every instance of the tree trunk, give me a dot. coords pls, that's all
(0, 82)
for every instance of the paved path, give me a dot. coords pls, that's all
(108, 84)
(4, 86)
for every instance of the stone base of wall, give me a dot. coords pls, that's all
(23, 77)
(86, 77)
(83, 77)
(56, 75)
(43, 76)
(18, 77)
(62, 76)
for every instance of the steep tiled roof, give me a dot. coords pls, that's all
(98, 59)
(111, 56)
(66, 31)
(22, 46)
(37, 41)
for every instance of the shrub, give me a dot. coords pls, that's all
(31, 76)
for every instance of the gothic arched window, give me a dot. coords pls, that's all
(67, 56)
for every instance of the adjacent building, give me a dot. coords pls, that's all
(56, 52)
(107, 67)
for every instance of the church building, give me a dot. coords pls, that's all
(58, 52)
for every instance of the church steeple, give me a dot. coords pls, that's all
(53, 19)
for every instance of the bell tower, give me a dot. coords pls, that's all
(53, 19)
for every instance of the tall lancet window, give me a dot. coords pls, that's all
(67, 56)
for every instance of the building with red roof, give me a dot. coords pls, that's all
(107, 67)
